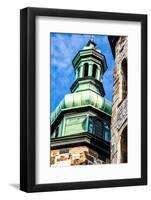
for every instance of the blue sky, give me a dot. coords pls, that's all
(63, 48)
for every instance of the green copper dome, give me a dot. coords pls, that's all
(82, 99)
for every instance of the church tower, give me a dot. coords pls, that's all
(80, 124)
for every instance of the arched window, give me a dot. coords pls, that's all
(94, 70)
(124, 146)
(85, 69)
(57, 132)
(124, 77)
(78, 72)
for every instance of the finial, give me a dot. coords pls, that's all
(91, 41)
(92, 38)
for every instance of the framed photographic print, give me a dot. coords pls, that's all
(83, 99)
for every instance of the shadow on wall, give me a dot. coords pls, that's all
(15, 185)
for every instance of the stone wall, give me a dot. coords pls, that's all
(119, 109)
(81, 155)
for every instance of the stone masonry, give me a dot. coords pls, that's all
(119, 109)
(81, 155)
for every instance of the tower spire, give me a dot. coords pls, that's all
(91, 42)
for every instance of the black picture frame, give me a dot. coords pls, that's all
(28, 99)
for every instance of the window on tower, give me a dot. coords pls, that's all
(57, 132)
(86, 66)
(96, 126)
(124, 77)
(99, 128)
(124, 146)
(94, 70)
(79, 72)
